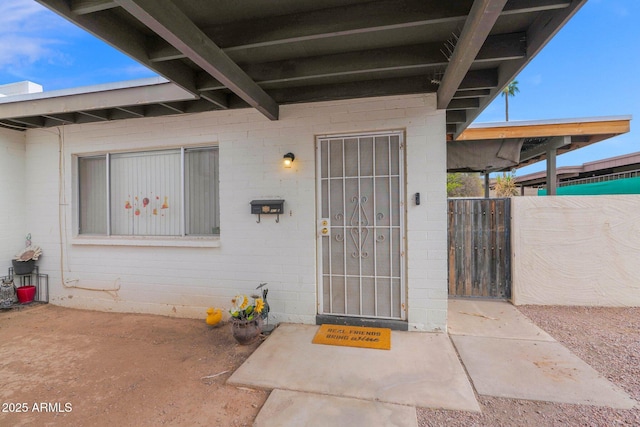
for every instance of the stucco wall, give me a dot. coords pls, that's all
(576, 250)
(183, 281)
(12, 196)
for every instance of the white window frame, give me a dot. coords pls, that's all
(182, 240)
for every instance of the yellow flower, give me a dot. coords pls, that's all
(245, 302)
(239, 302)
(259, 305)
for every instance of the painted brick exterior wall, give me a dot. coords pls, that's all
(183, 281)
(12, 194)
(576, 250)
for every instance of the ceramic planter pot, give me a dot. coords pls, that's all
(23, 267)
(246, 331)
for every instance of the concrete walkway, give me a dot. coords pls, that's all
(504, 353)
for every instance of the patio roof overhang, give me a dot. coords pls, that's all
(618, 165)
(495, 147)
(252, 53)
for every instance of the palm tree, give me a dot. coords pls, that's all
(510, 90)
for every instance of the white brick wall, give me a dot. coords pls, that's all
(12, 196)
(184, 281)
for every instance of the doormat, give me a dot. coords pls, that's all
(354, 336)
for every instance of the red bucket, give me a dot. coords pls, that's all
(26, 294)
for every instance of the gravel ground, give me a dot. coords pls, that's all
(608, 339)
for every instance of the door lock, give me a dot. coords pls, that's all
(324, 227)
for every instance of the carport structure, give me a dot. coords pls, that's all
(495, 147)
(226, 54)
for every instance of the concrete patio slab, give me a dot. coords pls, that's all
(535, 370)
(421, 369)
(295, 409)
(498, 319)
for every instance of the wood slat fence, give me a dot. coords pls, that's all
(479, 235)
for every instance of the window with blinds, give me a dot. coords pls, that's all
(152, 193)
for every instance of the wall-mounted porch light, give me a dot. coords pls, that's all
(288, 159)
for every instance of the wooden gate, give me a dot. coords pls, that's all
(479, 235)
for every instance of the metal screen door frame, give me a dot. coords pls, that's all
(363, 225)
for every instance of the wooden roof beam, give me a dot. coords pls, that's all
(369, 88)
(456, 116)
(527, 6)
(473, 93)
(551, 144)
(389, 59)
(83, 7)
(200, 106)
(169, 22)
(415, 57)
(503, 47)
(130, 111)
(219, 99)
(321, 24)
(62, 101)
(101, 115)
(66, 119)
(615, 126)
(173, 106)
(29, 121)
(354, 19)
(158, 110)
(463, 104)
(10, 124)
(480, 21)
(301, 27)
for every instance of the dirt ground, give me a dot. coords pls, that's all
(61, 366)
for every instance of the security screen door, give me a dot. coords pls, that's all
(361, 225)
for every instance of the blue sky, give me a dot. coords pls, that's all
(38, 45)
(589, 69)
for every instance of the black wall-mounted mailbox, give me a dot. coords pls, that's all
(265, 207)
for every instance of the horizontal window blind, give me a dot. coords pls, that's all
(92, 172)
(201, 192)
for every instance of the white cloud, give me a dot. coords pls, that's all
(535, 80)
(18, 51)
(15, 14)
(27, 35)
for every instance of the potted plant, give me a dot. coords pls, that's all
(25, 260)
(24, 263)
(246, 319)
